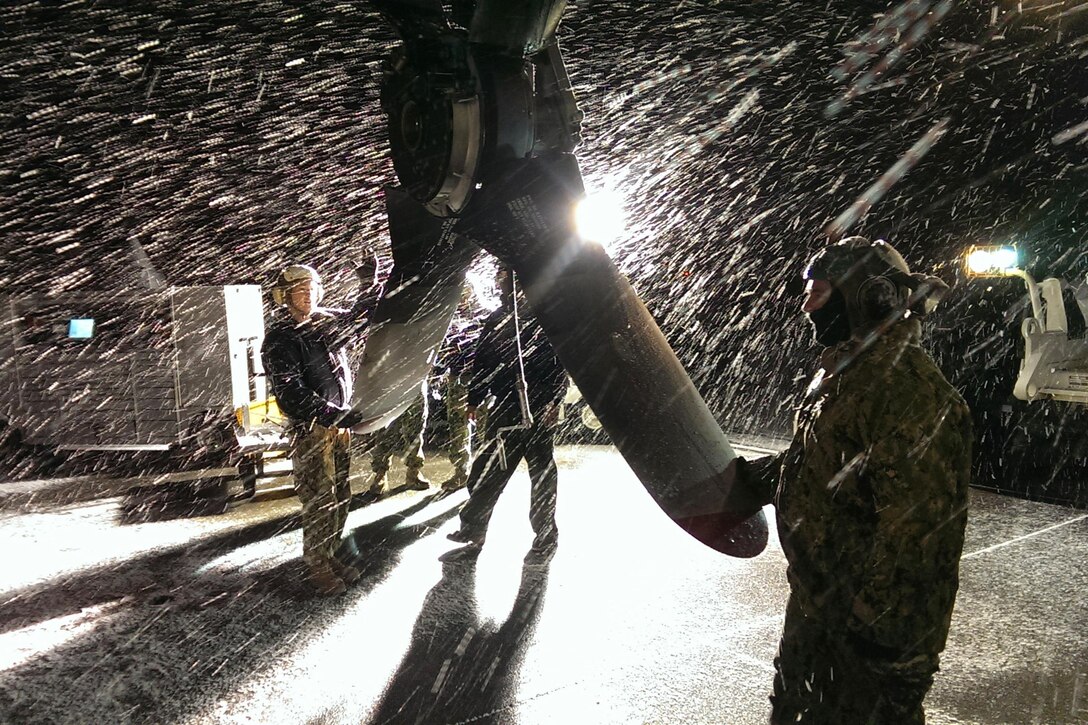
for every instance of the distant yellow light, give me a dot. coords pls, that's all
(600, 217)
(993, 261)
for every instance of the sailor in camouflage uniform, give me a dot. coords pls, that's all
(459, 447)
(456, 357)
(404, 436)
(305, 355)
(871, 499)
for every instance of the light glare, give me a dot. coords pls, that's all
(992, 260)
(600, 217)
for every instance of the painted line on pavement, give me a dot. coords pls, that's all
(1025, 537)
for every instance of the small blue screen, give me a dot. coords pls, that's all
(81, 328)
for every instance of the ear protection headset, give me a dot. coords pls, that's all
(292, 276)
(877, 296)
(872, 276)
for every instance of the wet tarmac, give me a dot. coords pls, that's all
(205, 620)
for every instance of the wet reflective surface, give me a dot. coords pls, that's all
(207, 620)
(212, 143)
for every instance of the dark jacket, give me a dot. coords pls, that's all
(307, 363)
(871, 496)
(495, 369)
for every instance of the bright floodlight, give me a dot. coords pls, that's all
(600, 217)
(993, 261)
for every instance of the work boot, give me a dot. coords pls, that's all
(463, 537)
(416, 481)
(348, 552)
(348, 573)
(472, 546)
(369, 495)
(455, 482)
(376, 481)
(325, 582)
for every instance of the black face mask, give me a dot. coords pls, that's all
(830, 323)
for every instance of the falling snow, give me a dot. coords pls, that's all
(156, 144)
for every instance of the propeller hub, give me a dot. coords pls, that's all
(411, 126)
(435, 132)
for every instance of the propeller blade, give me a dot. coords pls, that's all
(616, 354)
(413, 18)
(410, 321)
(513, 27)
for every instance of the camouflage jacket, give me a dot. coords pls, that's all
(871, 495)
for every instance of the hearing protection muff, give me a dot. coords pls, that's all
(294, 275)
(872, 276)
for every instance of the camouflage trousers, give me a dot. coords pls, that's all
(321, 459)
(822, 679)
(460, 444)
(402, 436)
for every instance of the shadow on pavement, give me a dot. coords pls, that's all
(130, 578)
(202, 632)
(457, 667)
(135, 577)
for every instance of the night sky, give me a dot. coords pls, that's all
(228, 139)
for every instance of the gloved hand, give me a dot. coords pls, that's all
(366, 271)
(757, 480)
